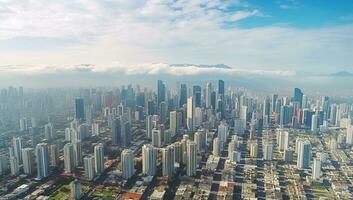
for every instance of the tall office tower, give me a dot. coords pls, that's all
(283, 140)
(304, 154)
(48, 131)
(14, 166)
(163, 109)
(82, 131)
(196, 92)
(266, 110)
(28, 161)
(127, 161)
(184, 142)
(89, 164)
(198, 117)
(125, 133)
(79, 109)
(267, 150)
(198, 140)
(213, 99)
(239, 126)
(208, 95)
(304, 102)
(4, 164)
(149, 125)
(253, 149)
(42, 158)
(178, 152)
(157, 137)
(183, 95)
(17, 147)
(216, 151)
(298, 96)
(191, 158)
(274, 99)
(243, 115)
(75, 187)
(77, 147)
(149, 158)
(232, 146)
(99, 158)
(173, 123)
(349, 135)
(190, 113)
(54, 155)
(160, 92)
(316, 171)
(116, 131)
(223, 131)
(314, 123)
(221, 88)
(69, 162)
(168, 159)
(333, 112)
(23, 124)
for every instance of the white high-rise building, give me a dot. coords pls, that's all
(191, 158)
(223, 132)
(349, 136)
(198, 117)
(304, 154)
(267, 151)
(173, 123)
(28, 160)
(316, 171)
(89, 167)
(99, 158)
(127, 161)
(190, 112)
(77, 153)
(149, 125)
(168, 159)
(283, 140)
(69, 163)
(42, 157)
(149, 160)
(54, 155)
(216, 151)
(17, 147)
(231, 148)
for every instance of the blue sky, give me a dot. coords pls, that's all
(283, 37)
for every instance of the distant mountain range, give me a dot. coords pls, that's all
(220, 66)
(342, 74)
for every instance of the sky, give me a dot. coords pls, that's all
(271, 38)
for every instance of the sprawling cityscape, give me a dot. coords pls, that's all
(208, 141)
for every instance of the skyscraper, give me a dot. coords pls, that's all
(208, 95)
(54, 155)
(99, 158)
(316, 171)
(149, 125)
(149, 158)
(17, 147)
(190, 113)
(168, 161)
(79, 109)
(42, 157)
(191, 159)
(267, 150)
(28, 161)
(48, 131)
(216, 151)
(15, 170)
(183, 95)
(173, 126)
(75, 189)
(77, 153)
(160, 92)
(196, 92)
(304, 154)
(89, 166)
(221, 88)
(314, 123)
(4, 164)
(157, 137)
(127, 161)
(69, 162)
(283, 140)
(298, 96)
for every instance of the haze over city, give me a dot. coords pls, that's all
(176, 99)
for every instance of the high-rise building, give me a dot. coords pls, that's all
(223, 132)
(183, 95)
(79, 109)
(4, 164)
(221, 88)
(191, 158)
(196, 92)
(304, 154)
(267, 150)
(298, 96)
(208, 95)
(168, 160)
(48, 131)
(75, 187)
(157, 137)
(28, 161)
(216, 151)
(69, 163)
(231, 148)
(316, 171)
(253, 149)
(15, 169)
(283, 140)
(77, 148)
(149, 125)
(314, 123)
(42, 158)
(99, 158)
(274, 99)
(127, 161)
(54, 155)
(160, 92)
(190, 113)
(349, 135)
(149, 160)
(17, 147)
(89, 166)
(173, 123)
